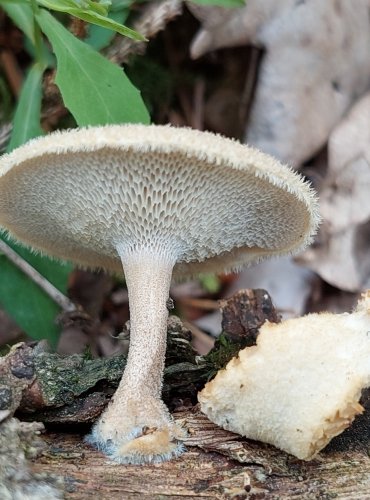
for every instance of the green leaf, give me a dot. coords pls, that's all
(46, 56)
(22, 17)
(92, 13)
(210, 282)
(31, 308)
(99, 37)
(14, 1)
(106, 22)
(26, 124)
(65, 5)
(222, 3)
(122, 4)
(96, 91)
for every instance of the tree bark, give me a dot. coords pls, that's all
(220, 466)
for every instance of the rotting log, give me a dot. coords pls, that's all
(44, 386)
(47, 387)
(217, 464)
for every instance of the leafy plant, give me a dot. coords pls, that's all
(92, 11)
(95, 91)
(104, 94)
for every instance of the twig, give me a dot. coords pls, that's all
(198, 104)
(5, 132)
(186, 105)
(153, 19)
(250, 84)
(202, 342)
(59, 298)
(204, 304)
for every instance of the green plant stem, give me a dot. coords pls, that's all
(37, 35)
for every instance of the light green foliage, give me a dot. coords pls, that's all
(95, 18)
(32, 309)
(96, 92)
(99, 37)
(22, 16)
(26, 122)
(210, 283)
(100, 92)
(95, 12)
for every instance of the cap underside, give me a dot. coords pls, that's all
(79, 206)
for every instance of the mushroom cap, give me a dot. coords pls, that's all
(211, 202)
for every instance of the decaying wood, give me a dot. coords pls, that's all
(245, 312)
(69, 389)
(217, 464)
(20, 441)
(48, 387)
(240, 469)
(16, 376)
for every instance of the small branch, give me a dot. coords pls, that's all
(202, 342)
(198, 104)
(153, 19)
(5, 133)
(203, 304)
(59, 298)
(250, 85)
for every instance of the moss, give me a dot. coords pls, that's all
(223, 350)
(62, 379)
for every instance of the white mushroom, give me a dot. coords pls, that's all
(300, 385)
(154, 200)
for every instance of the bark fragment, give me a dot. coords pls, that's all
(245, 312)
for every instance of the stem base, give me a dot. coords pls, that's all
(138, 432)
(137, 426)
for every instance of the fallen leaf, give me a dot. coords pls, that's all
(315, 65)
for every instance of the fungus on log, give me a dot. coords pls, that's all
(157, 201)
(300, 385)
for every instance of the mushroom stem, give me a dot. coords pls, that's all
(137, 426)
(148, 277)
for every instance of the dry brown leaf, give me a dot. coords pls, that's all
(316, 64)
(342, 253)
(288, 283)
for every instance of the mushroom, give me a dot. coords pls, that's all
(300, 385)
(154, 200)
